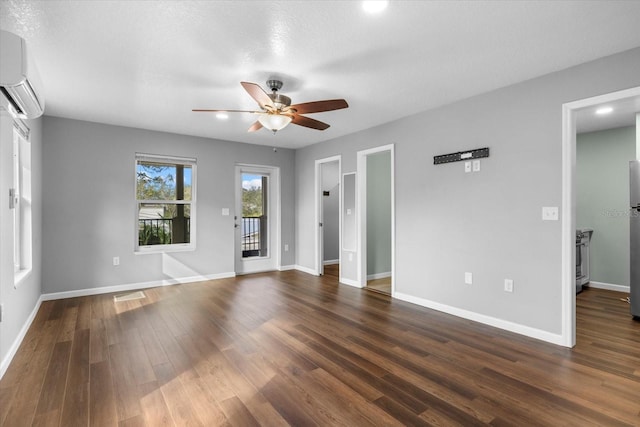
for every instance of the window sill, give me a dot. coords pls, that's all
(20, 276)
(164, 249)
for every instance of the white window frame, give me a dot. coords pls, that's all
(22, 221)
(174, 247)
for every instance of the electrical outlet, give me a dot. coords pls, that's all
(286, 247)
(476, 165)
(467, 167)
(116, 260)
(508, 285)
(468, 278)
(225, 211)
(550, 213)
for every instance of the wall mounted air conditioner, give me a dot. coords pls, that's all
(19, 80)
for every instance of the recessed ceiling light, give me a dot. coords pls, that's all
(374, 6)
(604, 110)
(222, 116)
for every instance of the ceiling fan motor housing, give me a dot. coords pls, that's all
(274, 85)
(280, 101)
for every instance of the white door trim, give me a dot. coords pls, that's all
(319, 265)
(274, 209)
(362, 214)
(569, 205)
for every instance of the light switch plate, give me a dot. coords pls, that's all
(467, 167)
(476, 165)
(508, 285)
(225, 211)
(550, 213)
(468, 278)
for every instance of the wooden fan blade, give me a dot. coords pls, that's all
(258, 94)
(309, 122)
(225, 111)
(254, 127)
(320, 106)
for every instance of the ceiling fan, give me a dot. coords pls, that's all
(276, 111)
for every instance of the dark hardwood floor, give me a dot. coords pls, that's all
(292, 349)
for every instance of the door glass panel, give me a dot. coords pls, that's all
(254, 215)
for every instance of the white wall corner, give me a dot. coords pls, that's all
(6, 361)
(306, 270)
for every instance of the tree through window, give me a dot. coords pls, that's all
(165, 200)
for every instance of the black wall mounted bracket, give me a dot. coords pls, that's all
(461, 156)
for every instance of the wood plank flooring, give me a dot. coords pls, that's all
(288, 348)
(380, 285)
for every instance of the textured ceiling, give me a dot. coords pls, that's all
(147, 64)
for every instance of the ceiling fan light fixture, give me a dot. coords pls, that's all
(274, 122)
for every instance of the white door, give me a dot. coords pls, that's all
(256, 219)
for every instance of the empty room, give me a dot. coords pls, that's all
(305, 213)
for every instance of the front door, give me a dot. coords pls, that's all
(256, 219)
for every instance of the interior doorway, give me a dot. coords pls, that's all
(328, 206)
(573, 112)
(376, 214)
(256, 220)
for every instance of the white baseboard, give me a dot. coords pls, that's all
(487, 320)
(287, 267)
(350, 282)
(382, 275)
(331, 262)
(306, 270)
(16, 343)
(133, 286)
(609, 286)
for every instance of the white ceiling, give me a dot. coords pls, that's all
(147, 64)
(623, 114)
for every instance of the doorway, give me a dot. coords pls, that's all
(328, 205)
(570, 113)
(256, 221)
(376, 214)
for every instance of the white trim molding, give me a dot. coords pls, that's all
(382, 275)
(286, 267)
(307, 270)
(609, 286)
(350, 282)
(133, 286)
(319, 240)
(486, 320)
(568, 275)
(331, 262)
(361, 212)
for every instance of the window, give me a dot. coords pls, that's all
(21, 202)
(165, 198)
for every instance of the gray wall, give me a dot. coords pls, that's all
(379, 213)
(602, 199)
(488, 222)
(18, 302)
(90, 208)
